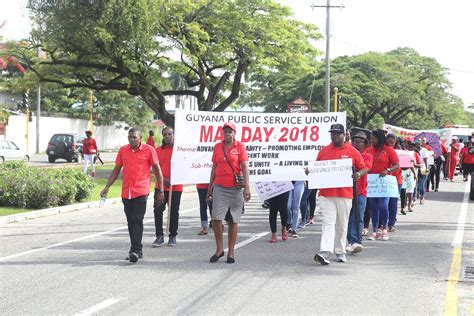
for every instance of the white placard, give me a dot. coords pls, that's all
(326, 174)
(279, 145)
(267, 190)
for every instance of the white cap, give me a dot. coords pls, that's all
(455, 137)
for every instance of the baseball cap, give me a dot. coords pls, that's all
(337, 128)
(230, 125)
(360, 134)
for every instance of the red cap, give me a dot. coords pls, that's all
(230, 125)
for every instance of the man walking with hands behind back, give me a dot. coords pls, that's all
(336, 203)
(136, 159)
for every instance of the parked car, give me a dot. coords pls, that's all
(10, 151)
(65, 146)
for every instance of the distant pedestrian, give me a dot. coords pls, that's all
(453, 162)
(151, 141)
(229, 188)
(89, 149)
(136, 159)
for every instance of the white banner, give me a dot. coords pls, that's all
(326, 174)
(267, 190)
(279, 145)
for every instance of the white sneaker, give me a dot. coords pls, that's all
(355, 248)
(348, 248)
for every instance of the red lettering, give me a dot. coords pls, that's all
(246, 134)
(206, 134)
(219, 135)
(268, 133)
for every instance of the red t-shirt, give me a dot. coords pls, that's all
(235, 155)
(89, 146)
(383, 158)
(164, 156)
(136, 165)
(444, 149)
(202, 186)
(150, 141)
(454, 152)
(467, 157)
(362, 181)
(345, 151)
(417, 158)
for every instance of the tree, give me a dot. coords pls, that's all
(132, 46)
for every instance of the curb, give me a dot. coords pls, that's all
(20, 217)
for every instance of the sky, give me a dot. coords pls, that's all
(442, 29)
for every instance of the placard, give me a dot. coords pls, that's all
(405, 158)
(267, 190)
(326, 174)
(382, 186)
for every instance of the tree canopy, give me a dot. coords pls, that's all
(135, 46)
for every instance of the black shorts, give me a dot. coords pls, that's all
(467, 168)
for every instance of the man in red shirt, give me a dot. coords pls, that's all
(136, 159)
(89, 149)
(336, 203)
(151, 141)
(164, 152)
(467, 160)
(354, 238)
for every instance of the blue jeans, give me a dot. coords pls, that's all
(379, 208)
(352, 227)
(393, 208)
(421, 185)
(304, 204)
(203, 205)
(294, 201)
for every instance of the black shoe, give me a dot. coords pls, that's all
(214, 258)
(133, 257)
(230, 260)
(140, 256)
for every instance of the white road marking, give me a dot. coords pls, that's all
(79, 239)
(459, 236)
(248, 241)
(94, 309)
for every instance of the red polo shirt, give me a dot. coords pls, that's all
(345, 151)
(383, 158)
(136, 165)
(164, 155)
(466, 156)
(362, 181)
(235, 155)
(89, 146)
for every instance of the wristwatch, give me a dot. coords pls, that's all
(159, 190)
(388, 170)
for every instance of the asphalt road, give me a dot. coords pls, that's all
(74, 264)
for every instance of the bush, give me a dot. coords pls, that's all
(36, 188)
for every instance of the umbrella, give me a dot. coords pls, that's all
(433, 141)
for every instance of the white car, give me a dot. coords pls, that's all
(10, 151)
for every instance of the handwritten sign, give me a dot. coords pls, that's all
(330, 174)
(405, 157)
(267, 190)
(382, 186)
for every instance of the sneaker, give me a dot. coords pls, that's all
(403, 211)
(384, 234)
(133, 257)
(311, 221)
(322, 257)
(392, 229)
(348, 247)
(140, 256)
(301, 225)
(341, 257)
(158, 241)
(355, 248)
(373, 236)
(365, 232)
(172, 241)
(273, 239)
(294, 234)
(265, 205)
(203, 231)
(379, 234)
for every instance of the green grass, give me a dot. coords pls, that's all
(11, 210)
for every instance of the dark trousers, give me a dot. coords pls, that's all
(135, 211)
(367, 216)
(277, 204)
(437, 174)
(174, 216)
(203, 205)
(312, 202)
(403, 198)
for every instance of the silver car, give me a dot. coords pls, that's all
(10, 151)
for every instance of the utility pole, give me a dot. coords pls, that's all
(38, 114)
(327, 85)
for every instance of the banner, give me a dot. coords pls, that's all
(279, 145)
(445, 134)
(267, 190)
(382, 186)
(405, 158)
(330, 174)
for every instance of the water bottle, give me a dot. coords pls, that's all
(102, 201)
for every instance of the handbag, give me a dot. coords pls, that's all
(238, 177)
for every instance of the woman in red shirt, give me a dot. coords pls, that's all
(393, 202)
(385, 162)
(229, 159)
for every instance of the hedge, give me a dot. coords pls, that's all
(37, 188)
